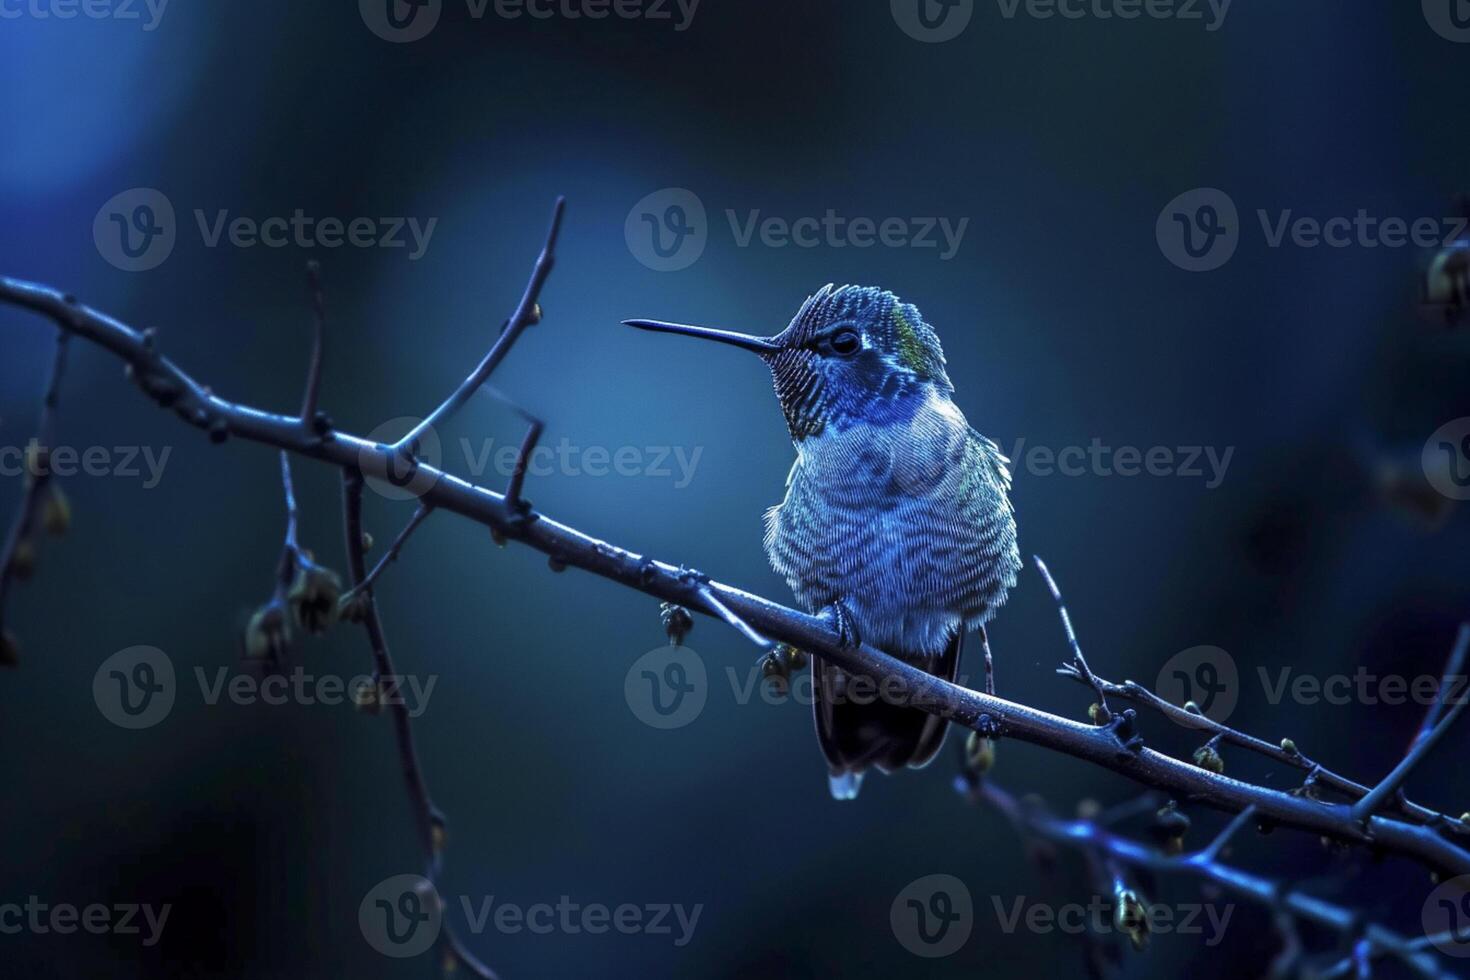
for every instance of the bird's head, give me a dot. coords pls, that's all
(851, 354)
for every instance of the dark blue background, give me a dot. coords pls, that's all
(1062, 322)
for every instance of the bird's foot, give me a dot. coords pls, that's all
(840, 619)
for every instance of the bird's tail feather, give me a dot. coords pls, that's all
(858, 732)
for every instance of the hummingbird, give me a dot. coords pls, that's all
(897, 526)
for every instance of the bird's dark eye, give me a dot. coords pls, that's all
(845, 343)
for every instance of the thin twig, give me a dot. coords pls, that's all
(1390, 784)
(1217, 846)
(318, 343)
(528, 312)
(984, 636)
(23, 526)
(721, 610)
(1079, 662)
(432, 828)
(523, 462)
(391, 555)
(1454, 674)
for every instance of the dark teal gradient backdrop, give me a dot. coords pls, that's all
(1060, 141)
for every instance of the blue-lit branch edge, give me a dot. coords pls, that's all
(1393, 826)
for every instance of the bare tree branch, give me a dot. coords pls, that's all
(38, 481)
(1285, 752)
(1115, 746)
(1375, 942)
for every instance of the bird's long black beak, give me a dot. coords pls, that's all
(761, 345)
